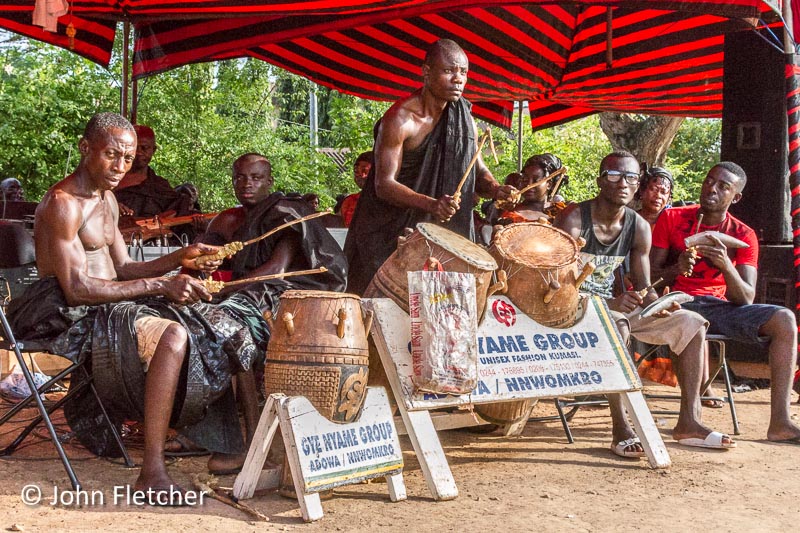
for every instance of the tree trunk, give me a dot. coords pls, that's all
(648, 137)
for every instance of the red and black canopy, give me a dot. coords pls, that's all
(567, 59)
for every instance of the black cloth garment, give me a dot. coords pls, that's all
(318, 248)
(435, 168)
(149, 198)
(223, 339)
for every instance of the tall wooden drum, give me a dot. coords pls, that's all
(318, 349)
(543, 272)
(433, 247)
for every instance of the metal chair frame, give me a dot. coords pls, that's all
(721, 367)
(10, 343)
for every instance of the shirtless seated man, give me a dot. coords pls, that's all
(78, 243)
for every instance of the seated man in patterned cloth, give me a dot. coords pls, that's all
(158, 353)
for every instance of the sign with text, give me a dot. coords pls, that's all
(518, 357)
(332, 454)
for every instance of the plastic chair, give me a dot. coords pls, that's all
(18, 251)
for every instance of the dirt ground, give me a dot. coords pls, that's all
(533, 482)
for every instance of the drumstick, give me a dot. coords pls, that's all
(235, 246)
(697, 227)
(491, 146)
(643, 292)
(693, 250)
(213, 286)
(554, 190)
(516, 198)
(536, 183)
(486, 134)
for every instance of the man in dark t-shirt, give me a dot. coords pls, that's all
(722, 280)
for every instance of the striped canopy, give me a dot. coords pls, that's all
(568, 59)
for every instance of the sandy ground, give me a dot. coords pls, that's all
(533, 482)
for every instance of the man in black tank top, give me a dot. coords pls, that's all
(612, 231)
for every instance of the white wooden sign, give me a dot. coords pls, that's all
(331, 454)
(520, 358)
(324, 454)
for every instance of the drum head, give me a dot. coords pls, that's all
(457, 245)
(536, 245)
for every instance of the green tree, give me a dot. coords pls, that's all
(46, 98)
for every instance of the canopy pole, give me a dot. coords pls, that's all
(312, 115)
(134, 99)
(519, 137)
(792, 123)
(123, 105)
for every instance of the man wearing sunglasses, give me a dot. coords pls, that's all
(613, 231)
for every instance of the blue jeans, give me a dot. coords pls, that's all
(739, 322)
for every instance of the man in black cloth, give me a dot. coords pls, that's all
(302, 246)
(151, 360)
(423, 146)
(143, 193)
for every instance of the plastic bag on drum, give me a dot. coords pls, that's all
(444, 331)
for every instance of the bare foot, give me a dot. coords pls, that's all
(157, 489)
(783, 433)
(221, 464)
(726, 441)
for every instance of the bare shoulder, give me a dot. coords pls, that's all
(569, 219)
(58, 206)
(227, 222)
(643, 232)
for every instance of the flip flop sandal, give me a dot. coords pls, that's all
(621, 448)
(187, 447)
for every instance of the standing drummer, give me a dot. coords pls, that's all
(613, 231)
(423, 146)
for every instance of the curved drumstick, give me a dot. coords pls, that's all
(560, 173)
(486, 135)
(213, 286)
(509, 204)
(693, 250)
(644, 291)
(235, 246)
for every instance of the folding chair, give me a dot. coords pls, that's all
(21, 251)
(721, 366)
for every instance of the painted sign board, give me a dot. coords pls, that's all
(520, 358)
(332, 454)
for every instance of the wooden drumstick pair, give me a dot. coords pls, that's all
(213, 286)
(512, 202)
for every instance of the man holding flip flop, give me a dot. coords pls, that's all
(722, 279)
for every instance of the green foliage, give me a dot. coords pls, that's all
(581, 145)
(46, 98)
(695, 149)
(205, 115)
